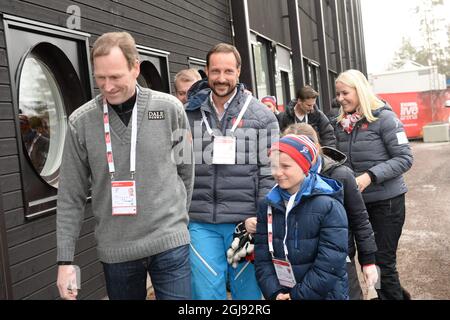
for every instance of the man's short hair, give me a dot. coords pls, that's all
(224, 48)
(186, 75)
(123, 40)
(307, 92)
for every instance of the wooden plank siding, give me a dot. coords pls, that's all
(182, 28)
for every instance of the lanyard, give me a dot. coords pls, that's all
(289, 207)
(109, 152)
(236, 123)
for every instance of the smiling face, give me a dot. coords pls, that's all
(114, 78)
(286, 172)
(223, 74)
(347, 97)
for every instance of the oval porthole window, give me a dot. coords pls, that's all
(150, 77)
(43, 119)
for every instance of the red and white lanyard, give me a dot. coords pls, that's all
(289, 207)
(236, 123)
(109, 151)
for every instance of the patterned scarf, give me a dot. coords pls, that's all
(349, 121)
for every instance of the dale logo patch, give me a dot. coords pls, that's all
(156, 115)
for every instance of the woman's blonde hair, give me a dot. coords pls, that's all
(368, 101)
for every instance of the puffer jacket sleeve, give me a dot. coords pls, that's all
(265, 271)
(327, 268)
(326, 132)
(286, 117)
(268, 135)
(358, 218)
(394, 138)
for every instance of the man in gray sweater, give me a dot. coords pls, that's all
(130, 148)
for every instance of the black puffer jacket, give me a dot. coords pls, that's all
(380, 147)
(317, 119)
(230, 193)
(359, 227)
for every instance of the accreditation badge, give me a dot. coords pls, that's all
(224, 150)
(123, 198)
(284, 272)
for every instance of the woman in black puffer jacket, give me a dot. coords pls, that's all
(372, 137)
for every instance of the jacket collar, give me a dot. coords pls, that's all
(313, 185)
(332, 158)
(199, 96)
(290, 109)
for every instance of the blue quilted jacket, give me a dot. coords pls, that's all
(316, 242)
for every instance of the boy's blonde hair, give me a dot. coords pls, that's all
(186, 75)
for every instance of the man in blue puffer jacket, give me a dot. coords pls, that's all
(302, 229)
(232, 134)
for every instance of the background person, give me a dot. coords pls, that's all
(304, 109)
(271, 103)
(183, 80)
(36, 143)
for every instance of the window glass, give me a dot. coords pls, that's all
(198, 64)
(261, 65)
(154, 69)
(42, 118)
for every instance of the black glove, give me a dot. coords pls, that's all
(241, 247)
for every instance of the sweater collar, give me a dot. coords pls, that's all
(124, 132)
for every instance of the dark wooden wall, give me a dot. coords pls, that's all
(183, 28)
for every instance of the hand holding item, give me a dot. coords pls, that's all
(241, 247)
(250, 225)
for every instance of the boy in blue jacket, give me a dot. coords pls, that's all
(301, 238)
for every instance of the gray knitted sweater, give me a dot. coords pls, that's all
(163, 183)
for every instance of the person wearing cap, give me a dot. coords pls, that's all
(271, 103)
(360, 233)
(301, 238)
